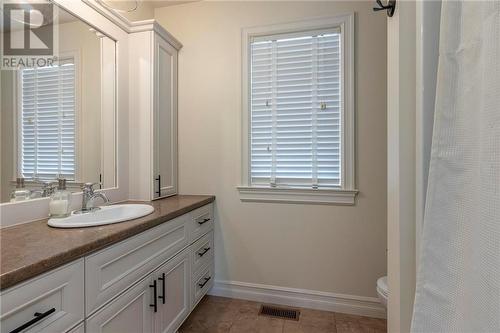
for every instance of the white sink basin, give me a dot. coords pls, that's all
(105, 215)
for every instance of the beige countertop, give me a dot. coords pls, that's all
(30, 249)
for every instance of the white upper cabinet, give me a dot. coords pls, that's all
(153, 56)
(165, 119)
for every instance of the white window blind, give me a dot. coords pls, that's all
(296, 110)
(47, 121)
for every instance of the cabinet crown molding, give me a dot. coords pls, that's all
(134, 26)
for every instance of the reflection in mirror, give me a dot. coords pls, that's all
(59, 121)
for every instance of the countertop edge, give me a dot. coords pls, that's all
(17, 276)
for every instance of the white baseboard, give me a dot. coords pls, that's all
(357, 305)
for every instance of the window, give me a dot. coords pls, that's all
(299, 112)
(47, 121)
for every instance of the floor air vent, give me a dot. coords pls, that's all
(277, 312)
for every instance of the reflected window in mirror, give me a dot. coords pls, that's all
(60, 121)
(47, 126)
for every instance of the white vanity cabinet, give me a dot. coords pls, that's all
(149, 282)
(165, 296)
(153, 60)
(115, 268)
(158, 303)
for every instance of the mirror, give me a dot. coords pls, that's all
(58, 120)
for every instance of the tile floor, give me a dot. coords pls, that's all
(223, 315)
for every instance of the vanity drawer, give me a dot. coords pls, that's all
(202, 252)
(57, 297)
(202, 283)
(202, 220)
(114, 269)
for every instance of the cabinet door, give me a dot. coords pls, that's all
(129, 313)
(173, 293)
(164, 120)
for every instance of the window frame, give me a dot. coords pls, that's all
(75, 56)
(344, 194)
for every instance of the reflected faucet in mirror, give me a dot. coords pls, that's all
(21, 193)
(47, 190)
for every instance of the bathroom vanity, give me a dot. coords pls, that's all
(143, 275)
(116, 110)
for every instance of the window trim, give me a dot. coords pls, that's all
(344, 194)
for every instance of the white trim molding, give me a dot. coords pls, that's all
(346, 193)
(297, 195)
(357, 305)
(133, 26)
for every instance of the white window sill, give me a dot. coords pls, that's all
(297, 195)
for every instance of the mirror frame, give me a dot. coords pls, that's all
(36, 209)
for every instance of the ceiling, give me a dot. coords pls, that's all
(166, 3)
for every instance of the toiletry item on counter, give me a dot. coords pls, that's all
(20, 193)
(60, 201)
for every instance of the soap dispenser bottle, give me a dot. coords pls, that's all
(60, 201)
(20, 193)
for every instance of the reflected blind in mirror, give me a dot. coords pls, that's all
(47, 121)
(296, 110)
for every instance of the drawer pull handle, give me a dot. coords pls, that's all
(204, 221)
(155, 295)
(38, 316)
(205, 250)
(162, 279)
(201, 285)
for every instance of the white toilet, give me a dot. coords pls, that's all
(382, 290)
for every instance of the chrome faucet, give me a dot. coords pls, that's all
(88, 196)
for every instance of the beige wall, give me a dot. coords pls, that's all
(325, 248)
(7, 132)
(76, 37)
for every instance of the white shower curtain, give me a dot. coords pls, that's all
(458, 284)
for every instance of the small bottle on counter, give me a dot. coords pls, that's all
(60, 201)
(20, 193)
